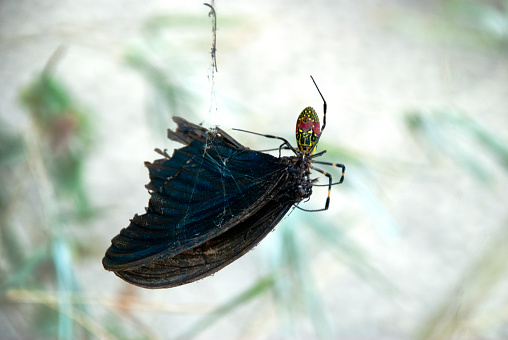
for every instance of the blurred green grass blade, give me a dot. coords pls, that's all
(347, 251)
(62, 262)
(358, 181)
(288, 291)
(300, 282)
(458, 137)
(24, 274)
(485, 137)
(46, 99)
(11, 155)
(469, 23)
(155, 24)
(11, 146)
(67, 285)
(381, 218)
(435, 133)
(489, 19)
(259, 288)
(169, 97)
(11, 249)
(456, 316)
(65, 136)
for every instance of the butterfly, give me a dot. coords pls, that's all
(212, 201)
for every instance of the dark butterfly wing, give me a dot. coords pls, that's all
(212, 201)
(209, 257)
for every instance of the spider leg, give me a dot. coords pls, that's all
(327, 204)
(274, 137)
(321, 153)
(324, 103)
(280, 149)
(324, 116)
(337, 165)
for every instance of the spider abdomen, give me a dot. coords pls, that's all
(307, 129)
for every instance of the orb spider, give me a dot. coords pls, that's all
(308, 133)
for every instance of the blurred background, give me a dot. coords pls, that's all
(414, 243)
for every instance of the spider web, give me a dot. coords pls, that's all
(213, 109)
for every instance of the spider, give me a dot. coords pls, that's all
(308, 133)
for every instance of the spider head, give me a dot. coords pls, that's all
(307, 129)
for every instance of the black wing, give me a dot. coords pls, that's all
(212, 201)
(210, 256)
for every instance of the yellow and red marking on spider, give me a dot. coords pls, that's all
(307, 129)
